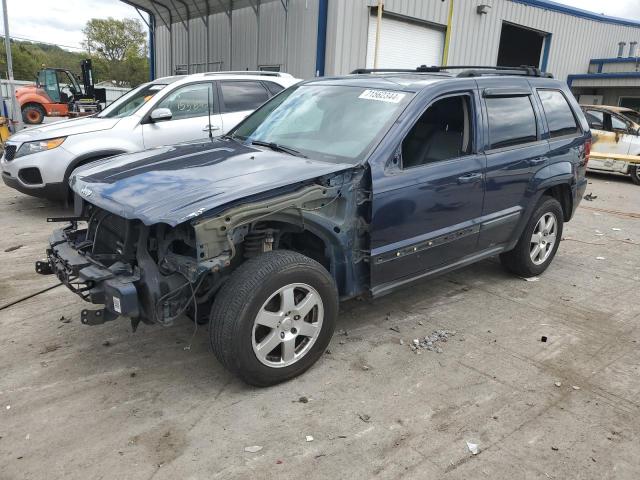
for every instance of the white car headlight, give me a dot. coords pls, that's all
(40, 146)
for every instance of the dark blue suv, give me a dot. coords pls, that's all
(335, 188)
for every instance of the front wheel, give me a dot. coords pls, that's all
(635, 174)
(274, 317)
(539, 241)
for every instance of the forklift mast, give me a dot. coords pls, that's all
(97, 94)
(87, 77)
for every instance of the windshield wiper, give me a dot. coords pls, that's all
(278, 148)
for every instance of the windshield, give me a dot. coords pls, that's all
(326, 122)
(631, 115)
(131, 101)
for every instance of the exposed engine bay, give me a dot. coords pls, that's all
(155, 273)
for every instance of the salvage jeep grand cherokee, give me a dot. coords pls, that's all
(335, 188)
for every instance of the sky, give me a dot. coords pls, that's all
(61, 21)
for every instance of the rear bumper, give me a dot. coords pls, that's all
(112, 287)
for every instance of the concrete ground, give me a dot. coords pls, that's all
(102, 402)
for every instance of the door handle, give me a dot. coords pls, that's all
(212, 127)
(537, 161)
(470, 178)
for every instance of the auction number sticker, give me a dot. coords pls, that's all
(382, 96)
(116, 305)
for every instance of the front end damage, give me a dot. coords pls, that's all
(155, 273)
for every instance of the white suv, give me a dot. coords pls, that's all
(38, 161)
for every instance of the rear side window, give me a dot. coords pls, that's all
(512, 121)
(273, 87)
(559, 115)
(238, 96)
(595, 118)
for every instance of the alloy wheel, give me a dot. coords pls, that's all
(543, 238)
(287, 325)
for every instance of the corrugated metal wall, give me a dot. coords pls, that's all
(575, 40)
(188, 49)
(475, 38)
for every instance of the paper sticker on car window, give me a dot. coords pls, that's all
(382, 96)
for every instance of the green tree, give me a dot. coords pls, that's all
(119, 50)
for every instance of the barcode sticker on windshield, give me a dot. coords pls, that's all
(382, 96)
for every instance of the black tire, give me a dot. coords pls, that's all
(33, 114)
(518, 260)
(240, 299)
(634, 171)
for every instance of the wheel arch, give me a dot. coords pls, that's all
(87, 158)
(563, 194)
(320, 240)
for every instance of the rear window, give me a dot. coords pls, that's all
(239, 96)
(511, 121)
(559, 115)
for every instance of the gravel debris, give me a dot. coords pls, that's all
(431, 342)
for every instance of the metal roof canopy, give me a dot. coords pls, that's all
(171, 12)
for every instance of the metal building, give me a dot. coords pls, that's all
(327, 37)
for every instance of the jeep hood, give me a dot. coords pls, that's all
(177, 183)
(64, 128)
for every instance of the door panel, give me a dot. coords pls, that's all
(190, 105)
(425, 215)
(230, 120)
(507, 180)
(426, 218)
(514, 152)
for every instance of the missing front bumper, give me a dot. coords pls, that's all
(114, 287)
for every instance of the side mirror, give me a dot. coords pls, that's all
(160, 115)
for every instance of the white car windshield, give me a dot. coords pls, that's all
(334, 123)
(131, 101)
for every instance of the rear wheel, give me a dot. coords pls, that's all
(635, 174)
(33, 114)
(274, 317)
(539, 241)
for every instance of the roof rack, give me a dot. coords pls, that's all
(263, 73)
(467, 70)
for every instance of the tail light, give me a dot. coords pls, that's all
(587, 151)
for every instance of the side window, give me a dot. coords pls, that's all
(273, 87)
(559, 115)
(189, 101)
(595, 119)
(618, 125)
(238, 96)
(512, 121)
(442, 132)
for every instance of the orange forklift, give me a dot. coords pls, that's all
(57, 93)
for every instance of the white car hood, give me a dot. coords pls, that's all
(64, 128)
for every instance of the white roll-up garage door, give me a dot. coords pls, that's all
(404, 44)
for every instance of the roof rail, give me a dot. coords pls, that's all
(263, 73)
(467, 70)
